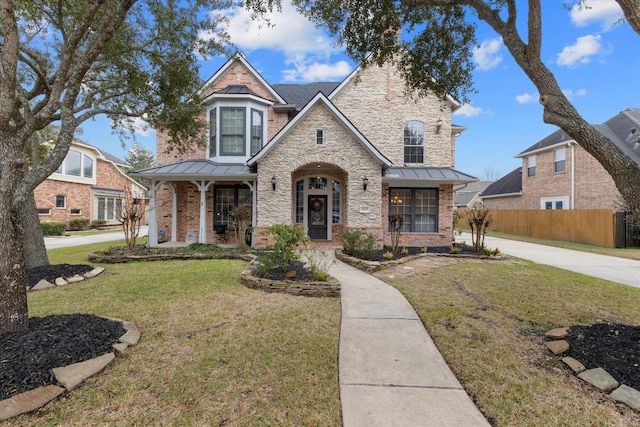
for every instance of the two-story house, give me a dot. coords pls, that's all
(330, 156)
(557, 173)
(89, 184)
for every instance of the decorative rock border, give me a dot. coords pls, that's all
(69, 377)
(328, 288)
(374, 266)
(61, 281)
(597, 377)
(115, 259)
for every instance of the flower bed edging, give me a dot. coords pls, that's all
(328, 288)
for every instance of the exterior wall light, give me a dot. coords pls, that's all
(438, 125)
(365, 183)
(273, 182)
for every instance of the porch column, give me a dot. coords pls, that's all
(254, 205)
(174, 212)
(153, 214)
(203, 186)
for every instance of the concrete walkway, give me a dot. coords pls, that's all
(391, 373)
(620, 270)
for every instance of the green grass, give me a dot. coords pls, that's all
(487, 319)
(212, 351)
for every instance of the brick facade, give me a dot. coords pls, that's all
(593, 186)
(80, 194)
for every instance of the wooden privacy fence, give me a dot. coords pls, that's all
(590, 226)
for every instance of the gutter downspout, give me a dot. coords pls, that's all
(573, 173)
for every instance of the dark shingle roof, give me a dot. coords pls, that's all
(623, 129)
(465, 195)
(511, 183)
(301, 94)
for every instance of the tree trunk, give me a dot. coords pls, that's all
(35, 252)
(14, 315)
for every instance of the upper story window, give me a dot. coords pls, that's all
(236, 125)
(531, 166)
(559, 159)
(319, 137)
(77, 164)
(414, 142)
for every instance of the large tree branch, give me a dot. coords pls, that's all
(9, 64)
(631, 10)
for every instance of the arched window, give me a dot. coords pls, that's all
(414, 141)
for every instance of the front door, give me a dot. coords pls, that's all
(317, 217)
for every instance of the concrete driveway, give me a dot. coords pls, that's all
(64, 241)
(620, 270)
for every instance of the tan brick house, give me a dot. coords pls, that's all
(557, 173)
(89, 184)
(330, 156)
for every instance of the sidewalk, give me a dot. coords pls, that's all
(391, 373)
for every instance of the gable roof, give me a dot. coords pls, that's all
(623, 130)
(238, 57)
(508, 185)
(320, 99)
(105, 155)
(467, 194)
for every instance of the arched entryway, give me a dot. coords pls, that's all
(319, 200)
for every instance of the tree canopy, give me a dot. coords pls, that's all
(437, 56)
(64, 62)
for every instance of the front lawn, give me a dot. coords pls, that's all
(212, 351)
(488, 320)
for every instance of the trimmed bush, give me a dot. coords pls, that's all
(52, 228)
(97, 223)
(79, 224)
(357, 243)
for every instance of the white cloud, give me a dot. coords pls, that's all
(570, 93)
(581, 52)
(307, 49)
(527, 98)
(467, 110)
(604, 12)
(488, 55)
(141, 127)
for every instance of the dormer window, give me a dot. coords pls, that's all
(236, 127)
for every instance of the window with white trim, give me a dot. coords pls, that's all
(414, 141)
(549, 203)
(44, 211)
(559, 160)
(232, 131)
(256, 131)
(319, 136)
(61, 201)
(531, 166)
(76, 164)
(236, 129)
(225, 199)
(109, 208)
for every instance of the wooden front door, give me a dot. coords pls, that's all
(317, 217)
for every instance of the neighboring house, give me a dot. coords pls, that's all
(330, 156)
(467, 194)
(89, 184)
(557, 173)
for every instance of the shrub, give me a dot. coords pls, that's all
(404, 251)
(423, 249)
(79, 224)
(287, 238)
(52, 228)
(455, 250)
(318, 260)
(387, 255)
(97, 223)
(357, 243)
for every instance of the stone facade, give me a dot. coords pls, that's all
(362, 124)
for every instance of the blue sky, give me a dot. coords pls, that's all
(595, 61)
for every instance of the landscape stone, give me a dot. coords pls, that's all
(42, 284)
(557, 347)
(628, 396)
(599, 378)
(73, 375)
(28, 401)
(61, 282)
(558, 333)
(119, 348)
(75, 279)
(94, 272)
(572, 363)
(132, 336)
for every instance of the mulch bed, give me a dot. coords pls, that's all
(301, 273)
(26, 358)
(612, 347)
(412, 250)
(52, 272)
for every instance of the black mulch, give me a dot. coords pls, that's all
(52, 272)
(26, 358)
(614, 348)
(412, 250)
(302, 274)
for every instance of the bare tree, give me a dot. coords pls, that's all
(131, 216)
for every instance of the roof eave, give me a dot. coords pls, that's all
(494, 196)
(547, 148)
